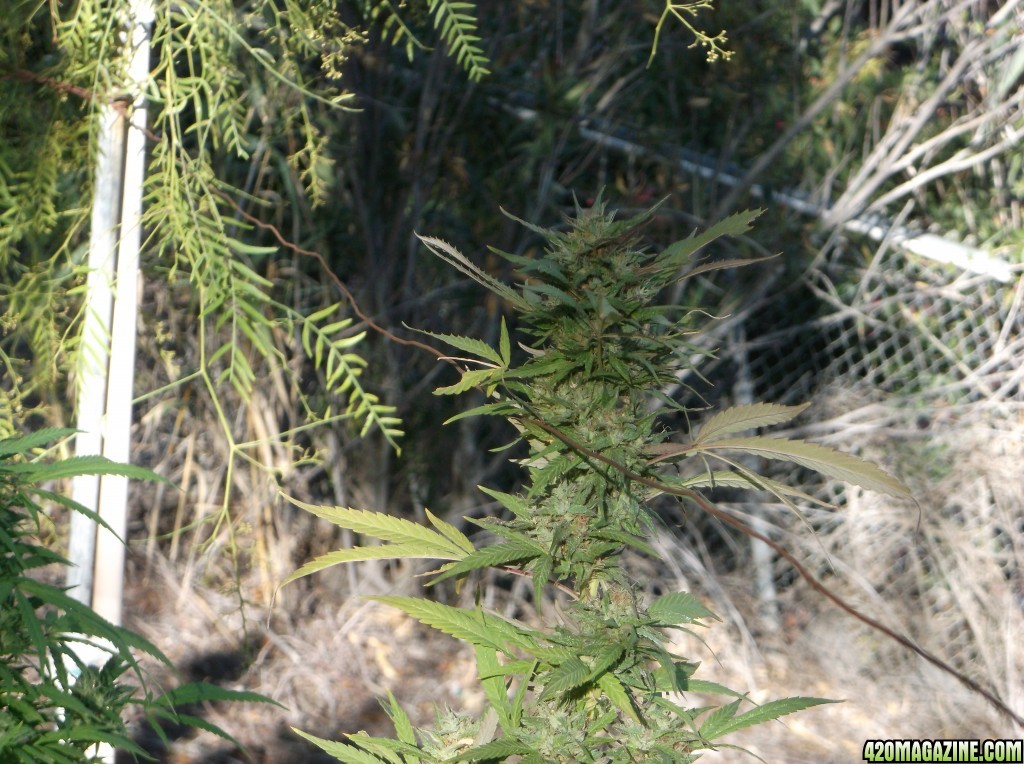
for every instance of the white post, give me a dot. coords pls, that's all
(108, 586)
(105, 392)
(94, 353)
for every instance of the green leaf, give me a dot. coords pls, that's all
(679, 607)
(342, 752)
(81, 465)
(618, 695)
(453, 257)
(822, 459)
(470, 379)
(473, 626)
(496, 750)
(25, 443)
(505, 345)
(729, 479)
(199, 722)
(415, 551)
(515, 504)
(477, 347)
(450, 532)
(606, 659)
(681, 252)
(747, 417)
(403, 727)
(710, 688)
(501, 408)
(491, 556)
(570, 674)
(88, 733)
(458, 30)
(96, 624)
(384, 527)
(199, 692)
(386, 748)
(719, 265)
(724, 721)
(492, 679)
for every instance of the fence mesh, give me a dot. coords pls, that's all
(918, 366)
(904, 329)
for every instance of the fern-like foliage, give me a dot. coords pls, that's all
(457, 24)
(455, 21)
(330, 347)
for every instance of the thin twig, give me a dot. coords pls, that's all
(332, 275)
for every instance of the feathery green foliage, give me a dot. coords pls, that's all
(600, 682)
(55, 707)
(455, 21)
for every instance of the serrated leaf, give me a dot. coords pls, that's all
(492, 679)
(618, 695)
(504, 345)
(554, 293)
(719, 724)
(720, 265)
(453, 257)
(570, 674)
(496, 750)
(25, 443)
(382, 526)
(470, 379)
(197, 692)
(341, 751)
(823, 459)
(472, 345)
(403, 726)
(626, 538)
(88, 733)
(606, 659)
(473, 626)
(681, 252)
(679, 607)
(416, 551)
(728, 479)
(517, 505)
(82, 465)
(747, 417)
(710, 688)
(487, 409)
(450, 532)
(491, 556)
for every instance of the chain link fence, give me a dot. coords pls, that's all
(914, 333)
(918, 366)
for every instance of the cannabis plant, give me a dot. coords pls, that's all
(55, 706)
(599, 682)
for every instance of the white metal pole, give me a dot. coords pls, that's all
(94, 352)
(108, 585)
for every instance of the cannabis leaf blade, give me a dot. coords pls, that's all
(747, 417)
(453, 257)
(724, 721)
(822, 459)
